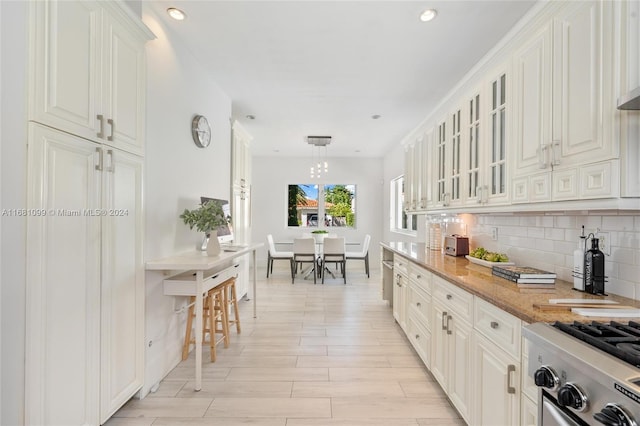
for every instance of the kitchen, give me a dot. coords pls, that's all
(522, 230)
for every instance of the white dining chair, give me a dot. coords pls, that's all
(273, 254)
(304, 251)
(333, 252)
(363, 254)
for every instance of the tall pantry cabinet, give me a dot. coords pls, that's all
(85, 280)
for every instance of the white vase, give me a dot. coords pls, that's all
(213, 246)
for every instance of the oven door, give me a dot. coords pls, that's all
(552, 414)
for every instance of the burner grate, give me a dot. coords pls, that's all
(617, 339)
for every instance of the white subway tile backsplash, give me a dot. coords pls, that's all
(533, 232)
(554, 234)
(617, 223)
(565, 221)
(547, 241)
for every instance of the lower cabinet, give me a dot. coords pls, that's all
(474, 349)
(451, 349)
(419, 312)
(496, 384)
(400, 284)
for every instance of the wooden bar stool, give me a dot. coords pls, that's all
(231, 300)
(214, 322)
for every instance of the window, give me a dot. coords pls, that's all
(313, 206)
(400, 220)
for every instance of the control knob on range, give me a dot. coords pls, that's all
(615, 415)
(570, 395)
(546, 377)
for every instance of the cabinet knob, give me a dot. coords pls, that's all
(449, 297)
(418, 304)
(417, 336)
(494, 324)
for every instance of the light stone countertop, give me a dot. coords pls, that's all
(478, 280)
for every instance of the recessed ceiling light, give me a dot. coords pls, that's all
(376, 116)
(176, 14)
(428, 15)
(250, 116)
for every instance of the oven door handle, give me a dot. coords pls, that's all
(510, 369)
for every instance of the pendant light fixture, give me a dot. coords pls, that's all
(319, 162)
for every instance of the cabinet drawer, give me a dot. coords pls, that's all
(454, 298)
(501, 328)
(420, 338)
(419, 305)
(421, 277)
(400, 266)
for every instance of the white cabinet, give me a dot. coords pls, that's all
(494, 189)
(496, 378)
(85, 284)
(419, 312)
(89, 71)
(496, 366)
(565, 108)
(448, 161)
(417, 172)
(400, 289)
(451, 343)
(241, 199)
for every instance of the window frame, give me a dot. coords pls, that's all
(397, 213)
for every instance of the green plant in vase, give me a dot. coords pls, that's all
(207, 218)
(319, 234)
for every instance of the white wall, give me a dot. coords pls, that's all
(13, 150)
(177, 173)
(271, 177)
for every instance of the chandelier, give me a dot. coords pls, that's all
(319, 163)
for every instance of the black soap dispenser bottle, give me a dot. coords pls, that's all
(594, 269)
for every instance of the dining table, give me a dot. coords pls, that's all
(319, 245)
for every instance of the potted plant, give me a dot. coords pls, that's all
(319, 234)
(207, 218)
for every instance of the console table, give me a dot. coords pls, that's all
(198, 262)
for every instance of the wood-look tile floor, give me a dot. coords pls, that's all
(316, 355)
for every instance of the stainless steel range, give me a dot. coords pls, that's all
(587, 373)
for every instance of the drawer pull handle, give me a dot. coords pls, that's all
(449, 318)
(449, 297)
(510, 369)
(100, 134)
(494, 324)
(444, 318)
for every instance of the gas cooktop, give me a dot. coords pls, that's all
(618, 339)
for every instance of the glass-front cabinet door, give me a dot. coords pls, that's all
(441, 177)
(473, 151)
(495, 190)
(454, 172)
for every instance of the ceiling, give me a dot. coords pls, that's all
(326, 67)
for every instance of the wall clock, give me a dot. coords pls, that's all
(201, 131)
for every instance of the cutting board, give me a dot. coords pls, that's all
(614, 313)
(569, 306)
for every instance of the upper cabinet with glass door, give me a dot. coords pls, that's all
(448, 160)
(493, 189)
